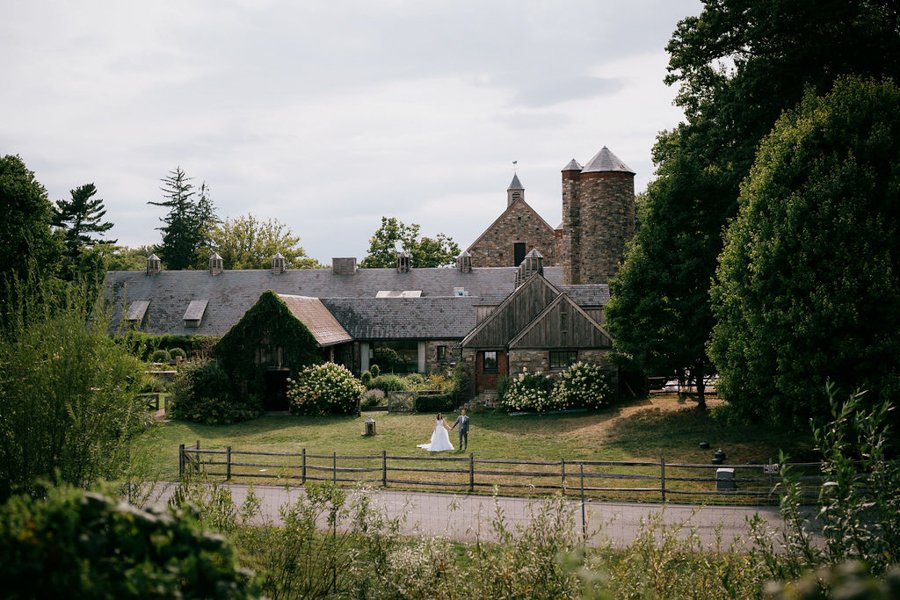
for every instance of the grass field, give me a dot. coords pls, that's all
(644, 430)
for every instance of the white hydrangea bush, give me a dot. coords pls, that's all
(583, 385)
(326, 388)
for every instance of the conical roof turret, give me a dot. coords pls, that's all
(515, 184)
(573, 166)
(606, 161)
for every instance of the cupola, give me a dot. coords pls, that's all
(515, 191)
(404, 262)
(154, 265)
(533, 263)
(215, 264)
(464, 262)
(278, 264)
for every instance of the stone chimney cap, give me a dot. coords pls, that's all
(573, 166)
(515, 184)
(606, 161)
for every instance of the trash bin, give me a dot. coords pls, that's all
(725, 480)
(370, 426)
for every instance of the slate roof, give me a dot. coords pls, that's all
(438, 314)
(320, 322)
(605, 161)
(515, 184)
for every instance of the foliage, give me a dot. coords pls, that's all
(326, 388)
(431, 403)
(253, 343)
(847, 580)
(502, 387)
(807, 285)
(203, 394)
(461, 383)
(28, 250)
(429, 382)
(188, 224)
(374, 370)
(123, 258)
(81, 217)
(388, 383)
(68, 395)
(160, 356)
(73, 544)
(424, 251)
(388, 358)
(177, 352)
(142, 345)
(248, 243)
(858, 506)
(583, 385)
(528, 391)
(365, 378)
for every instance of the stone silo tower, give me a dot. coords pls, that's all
(598, 217)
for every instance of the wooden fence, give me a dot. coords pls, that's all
(650, 481)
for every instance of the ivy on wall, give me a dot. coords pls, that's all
(268, 335)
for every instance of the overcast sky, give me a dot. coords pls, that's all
(328, 115)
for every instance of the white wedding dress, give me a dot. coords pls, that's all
(440, 439)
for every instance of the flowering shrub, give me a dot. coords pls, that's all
(528, 392)
(327, 388)
(582, 385)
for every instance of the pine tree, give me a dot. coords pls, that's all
(81, 217)
(188, 225)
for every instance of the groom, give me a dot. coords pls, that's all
(463, 421)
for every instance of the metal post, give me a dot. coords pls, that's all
(334, 467)
(662, 477)
(228, 463)
(303, 467)
(471, 472)
(181, 460)
(583, 524)
(384, 468)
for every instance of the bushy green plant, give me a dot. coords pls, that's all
(502, 387)
(389, 383)
(327, 388)
(582, 385)
(365, 378)
(528, 391)
(202, 393)
(160, 356)
(177, 353)
(431, 403)
(79, 545)
(375, 370)
(388, 357)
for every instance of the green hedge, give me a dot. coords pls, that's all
(142, 345)
(435, 403)
(203, 394)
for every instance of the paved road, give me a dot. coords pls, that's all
(468, 518)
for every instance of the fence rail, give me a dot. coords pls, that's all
(635, 480)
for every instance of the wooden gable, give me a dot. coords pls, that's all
(563, 324)
(518, 310)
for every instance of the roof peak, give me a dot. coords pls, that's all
(573, 166)
(515, 184)
(605, 161)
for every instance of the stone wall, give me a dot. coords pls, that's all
(539, 360)
(453, 355)
(519, 223)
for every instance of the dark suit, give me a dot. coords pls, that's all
(463, 422)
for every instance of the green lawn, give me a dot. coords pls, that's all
(645, 430)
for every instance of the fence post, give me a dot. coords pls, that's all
(228, 463)
(384, 468)
(180, 460)
(303, 467)
(583, 525)
(197, 461)
(662, 477)
(471, 472)
(562, 462)
(334, 467)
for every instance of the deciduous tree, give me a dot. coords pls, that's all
(248, 243)
(425, 251)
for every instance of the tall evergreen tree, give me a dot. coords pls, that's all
(80, 218)
(188, 225)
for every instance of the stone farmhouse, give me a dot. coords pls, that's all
(523, 295)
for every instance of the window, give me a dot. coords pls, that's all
(518, 253)
(442, 353)
(560, 359)
(489, 364)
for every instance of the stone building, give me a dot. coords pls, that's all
(515, 233)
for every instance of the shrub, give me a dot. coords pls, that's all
(461, 383)
(374, 370)
(582, 385)
(79, 545)
(202, 393)
(434, 403)
(502, 387)
(389, 383)
(176, 353)
(160, 356)
(327, 388)
(366, 379)
(528, 392)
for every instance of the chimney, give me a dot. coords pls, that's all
(154, 265)
(404, 262)
(464, 262)
(277, 264)
(215, 264)
(343, 266)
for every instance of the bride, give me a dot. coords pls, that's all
(440, 439)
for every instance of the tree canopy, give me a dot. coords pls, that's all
(249, 243)
(186, 235)
(807, 288)
(80, 219)
(425, 251)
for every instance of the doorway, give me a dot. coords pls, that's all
(276, 389)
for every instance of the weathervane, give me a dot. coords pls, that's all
(516, 167)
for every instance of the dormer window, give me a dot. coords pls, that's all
(136, 312)
(193, 316)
